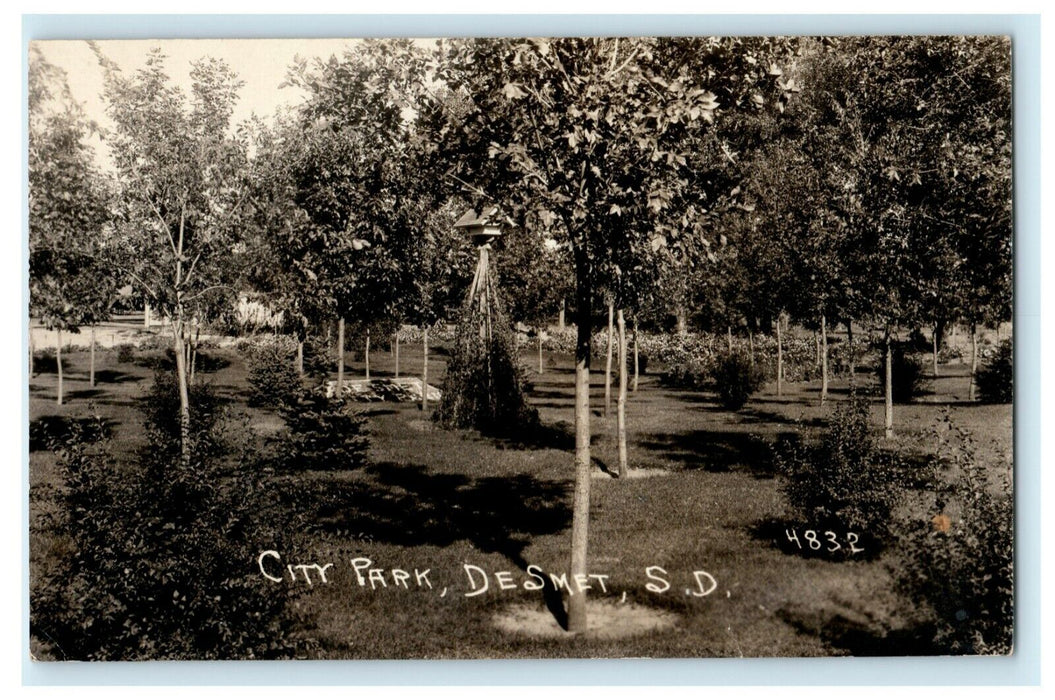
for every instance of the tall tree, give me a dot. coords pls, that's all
(596, 135)
(72, 277)
(180, 190)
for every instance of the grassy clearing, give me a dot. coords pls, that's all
(437, 500)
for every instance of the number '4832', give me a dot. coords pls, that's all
(826, 540)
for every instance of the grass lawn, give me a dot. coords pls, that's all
(438, 500)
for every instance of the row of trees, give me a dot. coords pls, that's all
(751, 179)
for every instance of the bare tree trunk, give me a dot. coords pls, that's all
(425, 368)
(560, 316)
(608, 361)
(184, 392)
(539, 331)
(824, 359)
(91, 356)
(397, 354)
(194, 349)
(146, 314)
(300, 358)
(780, 356)
(974, 360)
(852, 352)
(340, 357)
(58, 362)
(366, 354)
(581, 500)
(751, 345)
(621, 403)
(682, 326)
(934, 349)
(889, 388)
(729, 337)
(637, 364)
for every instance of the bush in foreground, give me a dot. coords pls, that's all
(957, 565)
(158, 561)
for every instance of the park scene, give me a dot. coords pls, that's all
(520, 348)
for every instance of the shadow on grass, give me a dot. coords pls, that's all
(409, 506)
(862, 637)
(716, 451)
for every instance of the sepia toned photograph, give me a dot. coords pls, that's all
(472, 348)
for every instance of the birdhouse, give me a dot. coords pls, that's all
(482, 228)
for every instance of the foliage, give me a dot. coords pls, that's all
(735, 378)
(843, 480)
(484, 385)
(157, 555)
(324, 432)
(126, 353)
(908, 376)
(72, 277)
(51, 432)
(959, 564)
(273, 377)
(995, 379)
(160, 406)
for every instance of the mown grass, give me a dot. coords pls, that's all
(435, 499)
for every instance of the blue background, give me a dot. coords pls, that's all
(1023, 667)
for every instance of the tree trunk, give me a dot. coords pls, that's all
(184, 392)
(194, 349)
(889, 388)
(851, 351)
(637, 364)
(581, 500)
(366, 355)
(608, 361)
(780, 357)
(146, 314)
(751, 345)
(397, 354)
(91, 356)
(560, 316)
(934, 349)
(425, 368)
(621, 403)
(682, 330)
(300, 358)
(729, 337)
(340, 357)
(974, 360)
(58, 362)
(539, 331)
(824, 359)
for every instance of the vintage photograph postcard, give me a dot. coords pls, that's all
(523, 347)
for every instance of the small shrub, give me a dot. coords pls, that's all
(44, 362)
(735, 378)
(995, 379)
(843, 481)
(161, 411)
(51, 432)
(320, 357)
(908, 378)
(126, 353)
(324, 433)
(273, 378)
(957, 565)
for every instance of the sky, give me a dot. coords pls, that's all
(261, 63)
